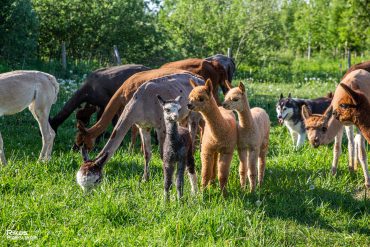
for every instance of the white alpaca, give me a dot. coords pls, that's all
(38, 91)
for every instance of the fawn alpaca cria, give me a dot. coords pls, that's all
(177, 148)
(220, 134)
(253, 135)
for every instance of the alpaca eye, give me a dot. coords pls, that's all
(167, 110)
(344, 106)
(324, 129)
(201, 99)
(235, 99)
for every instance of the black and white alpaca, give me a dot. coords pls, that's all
(177, 148)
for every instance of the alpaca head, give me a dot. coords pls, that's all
(83, 139)
(235, 98)
(171, 108)
(347, 107)
(316, 125)
(90, 173)
(201, 96)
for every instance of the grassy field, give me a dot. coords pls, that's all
(300, 203)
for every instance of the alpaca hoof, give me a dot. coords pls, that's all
(145, 178)
(333, 171)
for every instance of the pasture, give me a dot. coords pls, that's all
(300, 203)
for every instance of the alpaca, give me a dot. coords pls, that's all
(220, 134)
(253, 135)
(86, 137)
(38, 91)
(96, 91)
(226, 62)
(177, 148)
(351, 101)
(212, 70)
(144, 110)
(323, 129)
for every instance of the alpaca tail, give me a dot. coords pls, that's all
(191, 171)
(75, 101)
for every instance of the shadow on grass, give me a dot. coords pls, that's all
(304, 204)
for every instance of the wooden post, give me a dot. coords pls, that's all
(116, 55)
(229, 54)
(64, 56)
(349, 58)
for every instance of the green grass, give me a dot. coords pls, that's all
(300, 203)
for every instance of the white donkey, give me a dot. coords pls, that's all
(38, 91)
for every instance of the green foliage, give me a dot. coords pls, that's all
(18, 31)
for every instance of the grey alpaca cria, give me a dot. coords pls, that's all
(177, 148)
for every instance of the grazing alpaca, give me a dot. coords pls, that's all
(96, 91)
(226, 62)
(177, 148)
(38, 91)
(323, 129)
(220, 134)
(86, 137)
(253, 135)
(212, 70)
(145, 111)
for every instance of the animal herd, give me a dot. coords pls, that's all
(180, 101)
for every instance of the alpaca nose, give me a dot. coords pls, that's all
(224, 105)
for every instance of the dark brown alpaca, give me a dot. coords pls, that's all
(212, 70)
(97, 90)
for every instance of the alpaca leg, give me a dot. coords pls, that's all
(145, 138)
(134, 132)
(262, 164)
(2, 155)
(337, 150)
(161, 135)
(252, 168)
(243, 170)
(362, 155)
(224, 163)
(352, 165)
(191, 171)
(168, 169)
(214, 168)
(207, 161)
(180, 178)
(41, 114)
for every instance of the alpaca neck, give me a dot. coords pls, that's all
(245, 116)
(363, 123)
(171, 130)
(334, 127)
(214, 119)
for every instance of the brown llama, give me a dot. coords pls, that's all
(253, 135)
(220, 135)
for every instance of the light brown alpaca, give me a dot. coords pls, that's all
(351, 101)
(220, 134)
(323, 129)
(253, 135)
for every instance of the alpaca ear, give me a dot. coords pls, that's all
(193, 83)
(228, 85)
(161, 101)
(101, 159)
(327, 115)
(81, 127)
(209, 86)
(281, 96)
(306, 112)
(289, 96)
(178, 98)
(84, 153)
(355, 96)
(330, 95)
(242, 87)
